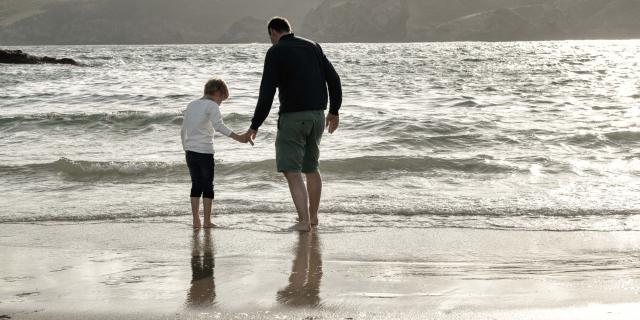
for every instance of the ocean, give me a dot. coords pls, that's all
(515, 136)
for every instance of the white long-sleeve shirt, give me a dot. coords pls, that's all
(201, 118)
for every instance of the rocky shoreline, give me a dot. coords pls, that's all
(19, 57)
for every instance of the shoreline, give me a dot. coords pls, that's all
(144, 270)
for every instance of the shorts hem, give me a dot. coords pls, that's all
(313, 170)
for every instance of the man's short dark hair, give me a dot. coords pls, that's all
(279, 24)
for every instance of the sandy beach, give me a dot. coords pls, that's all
(155, 269)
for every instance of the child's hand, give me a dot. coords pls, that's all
(239, 138)
(242, 138)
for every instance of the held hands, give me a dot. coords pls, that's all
(242, 138)
(332, 122)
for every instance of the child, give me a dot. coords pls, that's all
(201, 118)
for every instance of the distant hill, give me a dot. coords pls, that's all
(12, 11)
(531, 22)
(616, 19)
(137, 21)
(365, 21)
(24, 22)
(473, 20)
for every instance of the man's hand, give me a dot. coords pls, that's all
(251, 135)
(332, 122)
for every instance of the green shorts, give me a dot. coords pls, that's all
(298, 141)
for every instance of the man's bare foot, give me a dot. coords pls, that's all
(314, 222)
(196, 223)
(209, 225)
(301, 226)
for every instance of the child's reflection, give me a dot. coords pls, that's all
(304, 281)
(203, 289)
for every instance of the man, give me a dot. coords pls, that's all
(302, 74)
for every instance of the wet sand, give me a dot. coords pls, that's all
(159, 269)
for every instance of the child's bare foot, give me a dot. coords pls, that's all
(209, 225)
(314, 222)
(196, 223)
(301, 226)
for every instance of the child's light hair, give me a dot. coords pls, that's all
(216, 85)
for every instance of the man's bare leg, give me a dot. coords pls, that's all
(195, 210)
(314, 189)
(208, 204)
(300, 199)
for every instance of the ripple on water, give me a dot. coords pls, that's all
(415, 117)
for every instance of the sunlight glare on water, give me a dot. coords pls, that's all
(522, 135)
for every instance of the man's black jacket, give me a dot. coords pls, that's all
(302, 74)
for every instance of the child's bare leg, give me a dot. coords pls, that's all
(195, 210)
(207, 203)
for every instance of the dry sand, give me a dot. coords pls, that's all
(163, 270)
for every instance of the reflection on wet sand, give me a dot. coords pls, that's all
(202, 292)
(306, 272)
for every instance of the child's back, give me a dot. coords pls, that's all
(201, 118)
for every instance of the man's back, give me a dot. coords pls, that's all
(301, 72)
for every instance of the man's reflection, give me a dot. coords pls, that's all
(304, 281)
(203, 289)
